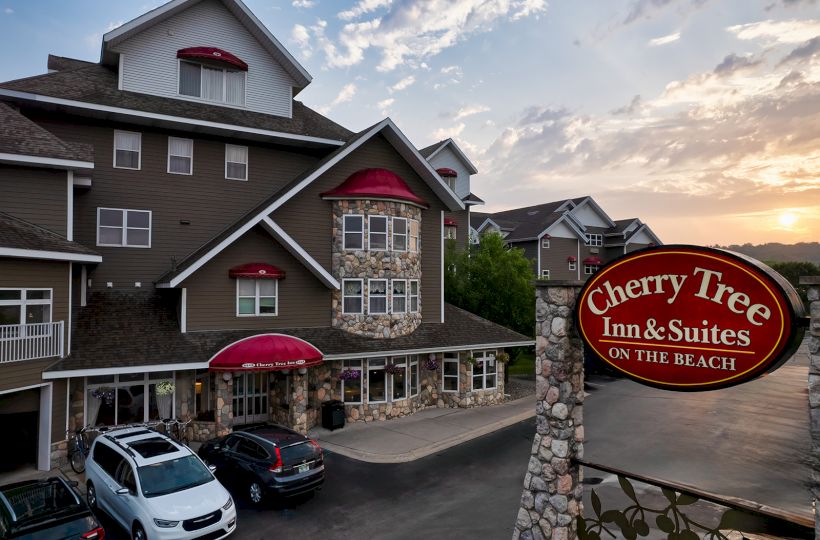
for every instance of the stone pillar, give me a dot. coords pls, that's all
(551, 500)
(813, 283)
(298, 401)
(223, 415)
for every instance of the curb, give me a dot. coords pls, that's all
(372, 457)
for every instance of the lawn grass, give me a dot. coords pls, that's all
(523, 364)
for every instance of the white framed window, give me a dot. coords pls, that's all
(236, 162)
(352, 385)
(594, 239)
(413, 240)
(590, 269)
(352, 232)
(413, 296)
(450, 368)
(211, 83)
(450, 232)
(121, 227)
(180, 156)
(484, 370)
(572, 265)
(399, 234)
(377, 233)
(377, 296)
(451, 182)
(376, 381)
(414, 376)
(24, 307)
(256, 297)
(545, 274)
(545, 243)
(127, 150)
(352, 296)
(398, 382)
(399, 299)
(133, 398)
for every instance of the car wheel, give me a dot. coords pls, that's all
(255, 492)
(91, 496)
(138, 533)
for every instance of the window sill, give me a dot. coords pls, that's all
(127, 168)
(236, 179)
(123, 246)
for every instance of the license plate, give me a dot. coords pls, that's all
(303, 467)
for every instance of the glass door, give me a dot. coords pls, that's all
(250, 398)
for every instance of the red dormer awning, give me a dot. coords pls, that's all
(375, 184)
(446, 171)
(266, 352)
(593, 260)
(213, 54)
(256, 271)
(572, 258)
(450, 222)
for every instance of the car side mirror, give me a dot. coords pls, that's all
(122, 491)
(212, 468)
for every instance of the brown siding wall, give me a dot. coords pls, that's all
(38, 196)
(205, 198)
(586, 251)
(308, 219)
(58, 410)
(555, 257)
(303, 300)
(462, 218)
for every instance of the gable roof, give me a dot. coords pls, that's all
(582, 201)
(24, 142)
(19, 238)
(261, 213)
(643, 228)
(237, 9)
(92, 90)
(429, 152)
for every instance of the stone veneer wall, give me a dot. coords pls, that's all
(814, 390)
(364, 264)
(551, 499)
(467, 397)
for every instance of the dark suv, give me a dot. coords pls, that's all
(265, 460)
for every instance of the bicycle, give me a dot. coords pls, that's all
(79, 447)
(177, 430)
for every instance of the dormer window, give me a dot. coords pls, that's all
(211, 82)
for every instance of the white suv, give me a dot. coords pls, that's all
(156, 488)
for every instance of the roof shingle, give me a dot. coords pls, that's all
(16, 233)
(21, 136)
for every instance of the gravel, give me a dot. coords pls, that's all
(520, 386)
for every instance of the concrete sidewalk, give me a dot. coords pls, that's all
(421, 434)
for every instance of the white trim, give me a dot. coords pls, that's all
(598, 210)
(50, 255)
(578, 259)
(67, 402)
(427, 350)
(570, 222)
(191, 168)
(344, 232)
(386, 232)
(367, 363)
(299, 252)
(125, 227)
(122, 370)
(69, 226)
(406, 233)
(70, 308)
(539, 260)
(44, 429)
(441, 270)
(386, 297)
(457, 360)
(547, 240)
(247, 160)
(183, 311)
(46, 161)
(393, 296)
(360, 369)
(23, 388)
(82, 181)
(471, 168)
(545, 273)
(486, 356)
(417, 295)
(645, 228)
(257, 298)
(371, 198)
(361, 283)
(120, 70)
(231, 128)
(83, 286)
(220, 102)
(139, 152)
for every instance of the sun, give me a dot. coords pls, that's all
(787, 219)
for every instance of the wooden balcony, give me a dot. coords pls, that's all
(31, 341)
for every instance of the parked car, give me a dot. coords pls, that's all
(266, 460)
(45, 510)
(156, 488)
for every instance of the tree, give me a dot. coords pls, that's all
(493, 281)
(792, 271)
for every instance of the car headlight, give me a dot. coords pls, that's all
(228, 504)
(165, 524)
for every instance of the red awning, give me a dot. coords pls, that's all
(266, 352)
(256, 271)
(593, 260)
(375, 184)
(446, 171)
(450, 222)
(572, 258)
(212, 54)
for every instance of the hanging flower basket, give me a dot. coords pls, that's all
(165, 388)
(350, 375)
(104, 395)
(471, 360)
(503, 357)
(392, 369)
(431, 364)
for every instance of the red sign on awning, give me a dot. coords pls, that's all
(593, 260)
(266, 352)
(213, 54)
(450, 222)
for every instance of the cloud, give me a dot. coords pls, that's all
(470, 110)
(402, 84)
(409, 33)
(450, 132)
(644, 9)
(803, 52)
(8, 11)
(777, 32)
(384, 106)
(633, 107)
(306, 4)
(94, 40)
(733, 63)
(300, 35)
(664, 40)
(345, 94)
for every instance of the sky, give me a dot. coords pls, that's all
(700, 117)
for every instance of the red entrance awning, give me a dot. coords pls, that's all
(266, 352)
(593, 260)
(256, 271)
(213, 54)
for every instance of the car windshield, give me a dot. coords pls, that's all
(173, 475)
(42, 500)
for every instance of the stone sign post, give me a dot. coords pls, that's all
(551, 500)
(813, 283)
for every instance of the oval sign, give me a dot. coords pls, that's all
(689, 317)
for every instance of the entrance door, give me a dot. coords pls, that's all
(250, 398)
(19, 414)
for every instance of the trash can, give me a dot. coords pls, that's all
(333, 414)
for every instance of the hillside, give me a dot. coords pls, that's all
(802, 251)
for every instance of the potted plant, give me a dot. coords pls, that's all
(502, 357)
(100, 395)
(392, 369)
(471, 360)
(431, 364)
(350, 374)
(165, 398)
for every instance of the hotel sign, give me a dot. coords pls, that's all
(689, 318)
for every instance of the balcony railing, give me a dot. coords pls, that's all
(30, 341)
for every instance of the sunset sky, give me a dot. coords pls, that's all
(701, 117)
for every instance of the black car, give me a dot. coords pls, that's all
(47, 509)
(266, 460)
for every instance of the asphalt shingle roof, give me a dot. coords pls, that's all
(16, 233)
(21, 136)
(142, 329)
